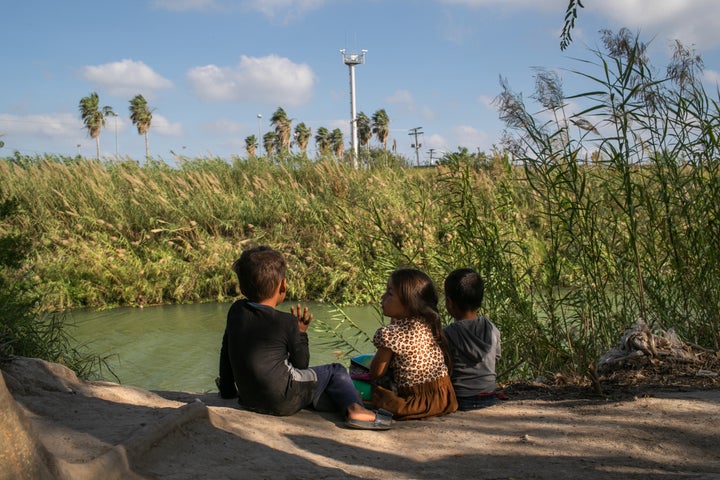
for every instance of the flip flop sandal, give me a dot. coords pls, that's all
(383, 421)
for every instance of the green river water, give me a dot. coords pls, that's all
(176, 347)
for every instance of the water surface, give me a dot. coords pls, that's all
(177, 347)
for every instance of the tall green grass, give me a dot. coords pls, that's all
(626, 195)
(579, 232)
(24, 331)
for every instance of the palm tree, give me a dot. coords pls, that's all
(322, 141)
(141, 117)
(251, 145)
(283, 129)
(364, 130)
(302, 137)
(380, 123)
(270, 139)
(93, 117)
(337, 143)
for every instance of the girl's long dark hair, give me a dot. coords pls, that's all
(417, 292)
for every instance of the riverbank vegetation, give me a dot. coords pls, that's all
(23, 330)
(599, 210)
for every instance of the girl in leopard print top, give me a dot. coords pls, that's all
(412, 350)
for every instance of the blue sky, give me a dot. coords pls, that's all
(209, 67)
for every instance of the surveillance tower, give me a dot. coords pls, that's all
(352, 59)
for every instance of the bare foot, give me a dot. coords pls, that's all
(358, 412)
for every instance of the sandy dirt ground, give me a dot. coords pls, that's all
(80, 429)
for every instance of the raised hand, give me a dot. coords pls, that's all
(304, 317)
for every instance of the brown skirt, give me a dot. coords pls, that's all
(419, 401)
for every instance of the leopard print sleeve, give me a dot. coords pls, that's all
(382, 338)
(377, 338)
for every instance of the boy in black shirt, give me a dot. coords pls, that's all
(264, 356)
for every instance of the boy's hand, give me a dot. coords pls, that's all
(303, 315)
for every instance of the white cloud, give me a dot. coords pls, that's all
(556, 5)
(712, 77)
(266, 79)
(343, 125)
(639, 11)
(185, 5)
(162, 126)
(126, 78)
(234, 144)
(454, 31)
(487, 102)
(438, 144)
(405, 100)
(225, 127)
(280, 11)
(471, 137)
(283, 10)
(694, 22)
(46, 124)
(122, 124)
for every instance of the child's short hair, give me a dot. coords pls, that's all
(259, 271)
(465, 287)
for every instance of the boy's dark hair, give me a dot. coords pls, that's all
(465, 287)
(259, 271)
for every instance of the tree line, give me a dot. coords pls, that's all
(283, 137)
(94, 117)
(279, 140)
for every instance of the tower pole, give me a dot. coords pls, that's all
(353, 117)
(352, 59)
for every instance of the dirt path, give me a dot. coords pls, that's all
(89, 427)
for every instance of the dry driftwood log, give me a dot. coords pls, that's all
(640, 344)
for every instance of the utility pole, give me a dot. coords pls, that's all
(352, 59)
(415, 132)
(258, 143)
(116, 141)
